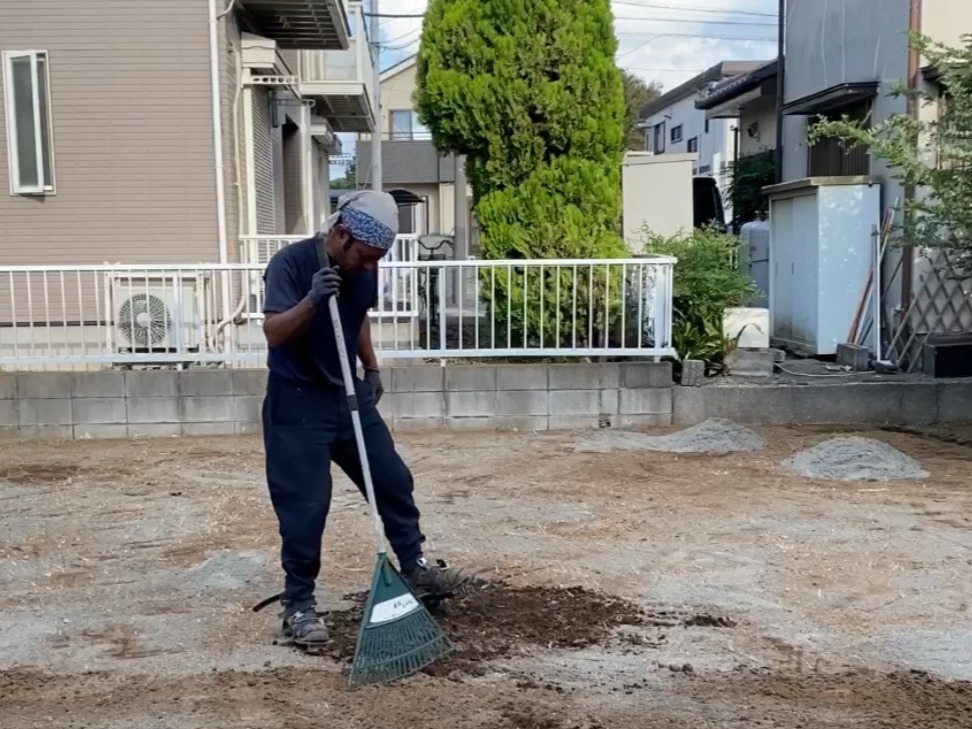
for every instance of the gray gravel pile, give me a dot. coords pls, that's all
(855, 459)
(715, 435)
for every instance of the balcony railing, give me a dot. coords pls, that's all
(304, 24)
(123, 315)
(342, 82)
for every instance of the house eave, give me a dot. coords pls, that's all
(733, 90)
(718, 73)
(832, 98)
(734, 107)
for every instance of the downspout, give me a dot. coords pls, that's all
(240, 225)
(376, 174)
(780, 88)
(736, 131)
(214, 18)
(908, 251)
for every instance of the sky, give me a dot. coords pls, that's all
(667, 41)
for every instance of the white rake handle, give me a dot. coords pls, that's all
(332, 305)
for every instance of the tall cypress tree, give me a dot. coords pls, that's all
(529, 92)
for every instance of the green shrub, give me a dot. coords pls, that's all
(529, 92)
(747, 177)
(707, 280)
(550, 307)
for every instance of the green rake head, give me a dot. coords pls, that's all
(398, 636)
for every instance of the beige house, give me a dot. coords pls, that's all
(164, 132)
(412, 169)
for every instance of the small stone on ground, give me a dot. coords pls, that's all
(855, 459)
(715, 435)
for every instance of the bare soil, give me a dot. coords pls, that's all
(626, 590)
(494, 620)
(960, 433)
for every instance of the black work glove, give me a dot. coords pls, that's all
(373, 378)
(325, 284)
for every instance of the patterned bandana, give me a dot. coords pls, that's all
(371, 217)
(367, 229)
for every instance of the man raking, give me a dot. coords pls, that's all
(306, 416)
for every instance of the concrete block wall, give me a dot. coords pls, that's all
(913, 402)
(195, 402)
(529, 397)
(117, 404)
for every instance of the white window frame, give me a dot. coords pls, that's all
(416, 130)
(48, 187)
(397, 136)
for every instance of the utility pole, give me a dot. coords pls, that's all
(460, 236)
(376, 182)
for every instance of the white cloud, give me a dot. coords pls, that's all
(661, 40)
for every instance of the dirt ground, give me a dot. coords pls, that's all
(627, 591)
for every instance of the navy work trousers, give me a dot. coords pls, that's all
(305, 427)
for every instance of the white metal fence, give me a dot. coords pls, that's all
(96, 316)
(258, 249)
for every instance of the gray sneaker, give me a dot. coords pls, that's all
(436, 580)
(306, 628)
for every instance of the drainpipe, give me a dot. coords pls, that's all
(780, 89)
(734, 223)
(460, 213)
(250, 225)
(908, 251)
(376, 181)
(217, 111)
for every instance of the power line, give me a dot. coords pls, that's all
(664, 70)
(698, 21)
(652, 19)
(692, 9)
(630, 3)
(398, 38)
(401, 47)
(702, 21)
(703, 36)
(654, 37)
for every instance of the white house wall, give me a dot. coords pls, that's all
(758, 127)
(715, 145)
(715, 150)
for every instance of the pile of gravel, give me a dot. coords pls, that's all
(855, 459)
(715, 435)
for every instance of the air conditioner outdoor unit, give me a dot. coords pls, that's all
(163, 314)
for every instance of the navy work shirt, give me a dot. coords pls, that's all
(312, 356)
